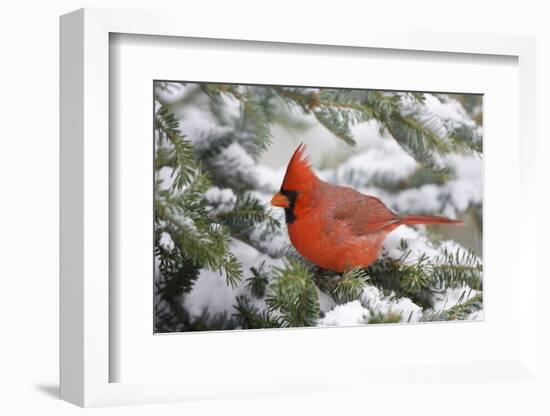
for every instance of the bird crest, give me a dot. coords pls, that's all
(299, 176)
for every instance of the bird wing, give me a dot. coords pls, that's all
(363, 214)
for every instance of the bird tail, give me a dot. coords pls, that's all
(428, 219)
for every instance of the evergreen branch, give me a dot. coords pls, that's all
(168, 86)
(176, 278)
(255, 243)
(229, 164)
(215, 91)
(350, 286)
(460, 311)
(417, 97)
(294, 296)
(253, 113)
(415, 277)
(248, 212)
(191, 198)
(335, 122)
(306, 100)
(178, 271)
(252, 318)
(185, 161)
(208, 321)
(164, 157)
(338, 111)
(343, 288)
(378, 317)
(257, 284)
(261, 125)
(206, 243)
(466, 140)
(232, 268)
(182, 153)
(383, 104)
(421, 176)
(426, 276)
(419, 141)
(452, 270)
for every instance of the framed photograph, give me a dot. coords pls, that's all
(236, 208)
(361, 240)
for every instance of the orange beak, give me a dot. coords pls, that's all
(279, 200)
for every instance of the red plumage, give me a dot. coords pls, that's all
(336, 227)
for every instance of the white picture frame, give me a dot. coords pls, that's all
(85, 353)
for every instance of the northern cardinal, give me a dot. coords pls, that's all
(336, 227)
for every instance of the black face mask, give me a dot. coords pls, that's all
(289, 212)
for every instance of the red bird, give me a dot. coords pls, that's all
(336, 227)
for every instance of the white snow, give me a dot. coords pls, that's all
(417, 243)
(211, 291)
(451, 198)
(424, 199)
(451, 297)
(173, 92)
(199, 127)
(197, 123)
(236, 162)
(271, 242)
(166, 241)
(268, 179)
(347, 314)
(219, 196)
(221, 200)
(184, 221)
(409, 311)
(383, 159)
(326, 302)
(371, 164)
(166, 178)
(448, 110)
(354, 313)
(463, 194)
(235, 152)
(440, 113)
